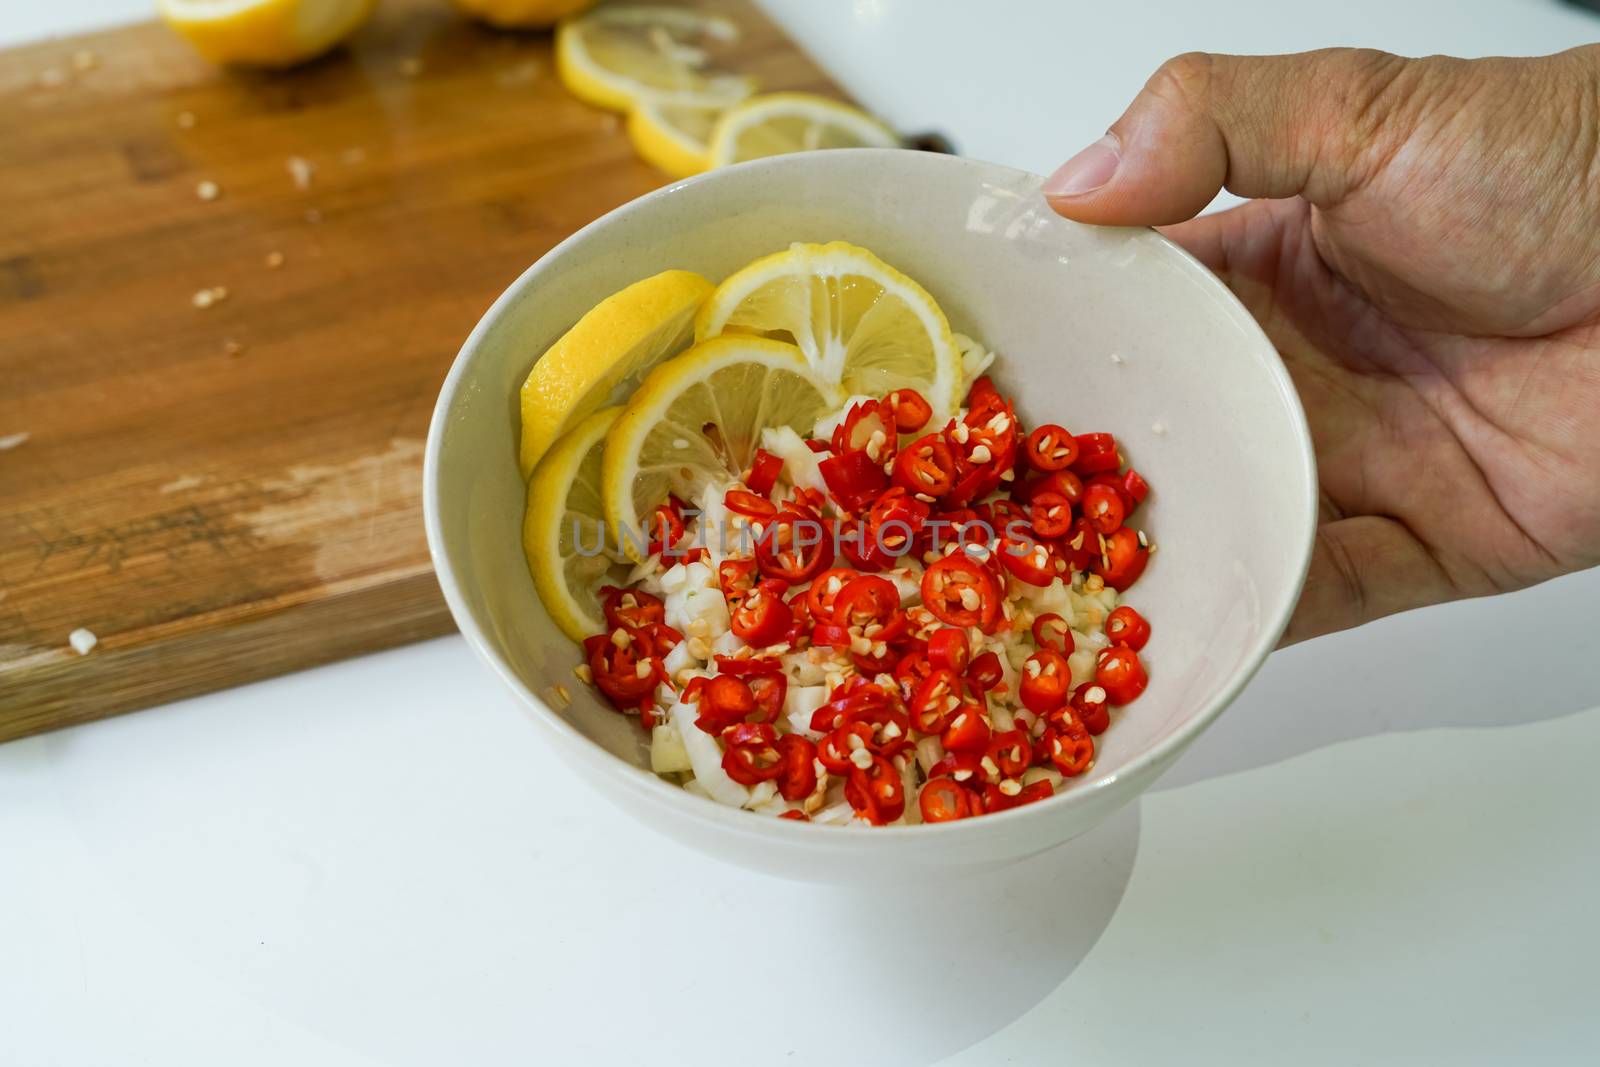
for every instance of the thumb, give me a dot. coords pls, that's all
(1260, 126)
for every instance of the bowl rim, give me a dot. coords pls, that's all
(737, 821)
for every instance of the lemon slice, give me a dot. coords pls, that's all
(696, 421)
(673, 137)
(793, 122)
(264, 33)
(522, 14)
(861, 324)
(623, 335)
(563, 532)
(615, 57)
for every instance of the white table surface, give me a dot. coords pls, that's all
(1386, 851)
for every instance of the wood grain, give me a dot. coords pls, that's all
(226, 493)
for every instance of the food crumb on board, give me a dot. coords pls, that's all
(274, 260)
(82, 641)
(85, 60)
(185, 120)
(411, 66)
(12, 440)
(1158, 428)
(206, 297)
(1116, 357)
(301, 170)
(231, 347)
(208, 190)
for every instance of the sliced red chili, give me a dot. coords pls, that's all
(947, 648)
(983, 396)
(1112, 481)
(750, 505)
(926, 466)
(665, 527)
(935, 701)
(794, 548)
(1136, 488)
(1089, 708)
(1031, 562)
(854, 479)
(738, 579)
(797, 816)
(1064, 484)
(869, 428)
(798, 779)
(867, 600)
(1127, 627)
(724, 701)
(824, 592)
(911, 669)
(744, 666)
(996, 798)
(885, 531)
(624, 665)
(762, 618)
(1051, 631)
(632, 608)
(943, 800)
(1011, 751)
(830, 635)
(764, 471)
(986, 671)
(1103, 507)
(751, 756)
(1050, 514)
(961, 592)
(1118, 671)
(769, 689)
(1050, 448)
(876, 792)
(911, 411)
(1096, 452)
(1071, 751)
(968, 731)
(1081, 546)
(833, 751)
(1122, 561)
(1046, 681)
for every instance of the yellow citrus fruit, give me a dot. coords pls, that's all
(622, 336)
(697, 420)
(615, 57)
(264, 33)
(563, 531)
(673, 137)
(861, 324)
(523, 14)
(777, 123)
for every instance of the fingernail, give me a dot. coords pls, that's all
(1086, 171)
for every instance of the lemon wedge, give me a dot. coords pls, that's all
(264, 33)
(696, 421)
(673, 137)
(522, 14)
(861, 324)
(615, 57)
(776, 123)
(563, 532)
(623, 335)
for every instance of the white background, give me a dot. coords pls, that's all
(1386, 851)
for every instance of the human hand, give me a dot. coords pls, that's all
(1426, 258)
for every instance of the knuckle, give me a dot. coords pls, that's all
(1185, 79)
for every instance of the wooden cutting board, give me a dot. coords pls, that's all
(225, 493)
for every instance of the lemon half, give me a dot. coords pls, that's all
(264, 33)
(697, 420)
(614, 57)
(623, 335)
(777, 123)
(861, 324)
(563, 531)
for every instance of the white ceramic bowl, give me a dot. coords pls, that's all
(1198, 398)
